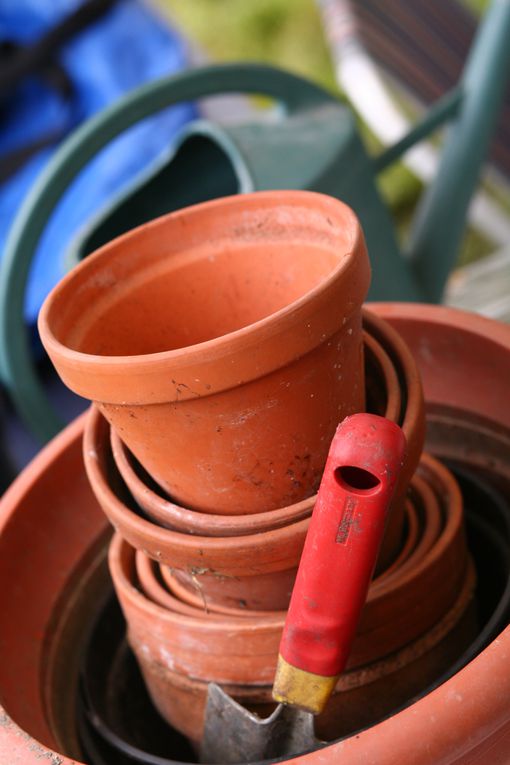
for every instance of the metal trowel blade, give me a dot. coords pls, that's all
(233, 734)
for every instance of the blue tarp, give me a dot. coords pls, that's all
(127, 46)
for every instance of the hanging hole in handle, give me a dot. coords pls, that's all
(356, 479)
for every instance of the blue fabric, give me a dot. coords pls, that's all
(127, 46)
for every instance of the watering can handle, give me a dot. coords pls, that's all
(17, 366)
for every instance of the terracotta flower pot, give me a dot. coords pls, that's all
(174, 648)
(417, 543)
(255, 570)
(381, 379)
(464, 721)
(399, 608)
(50, 523)
(151, 581)
(385, 399)
(426, 516)
(223, 342)
(467, 403)
(265, 561)
(386, 378)
(164, 512)
(411, 420)
(427, 508)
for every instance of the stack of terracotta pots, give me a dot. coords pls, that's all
(221, 346)
(52, 546)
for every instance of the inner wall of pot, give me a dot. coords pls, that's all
(195, 296)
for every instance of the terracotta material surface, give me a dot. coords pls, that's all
(361, 696)
(50, 523)
(223, 342)
(466, 720)
(417, 542)
(467, 404)
(208, 644)
(411, 536)
(260, 592)
(225, 570)
(398, 610)
(271, 551)
(428, 511)
(437, 514)
(383, 391)
(258, 569)
(384, 395)
(411, 420)
(195, 597)
(424, 525)
(409, 600)
(469, 350)
(168, 514)
(166, 592)
(225, 597)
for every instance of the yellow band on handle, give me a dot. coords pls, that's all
(300, 688)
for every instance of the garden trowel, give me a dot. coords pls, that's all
(331, 586)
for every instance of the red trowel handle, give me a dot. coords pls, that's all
(338, 558)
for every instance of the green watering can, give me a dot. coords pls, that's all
(312, 143)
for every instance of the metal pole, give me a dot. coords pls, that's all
(440, 221)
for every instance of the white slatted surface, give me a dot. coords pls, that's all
(483, 287)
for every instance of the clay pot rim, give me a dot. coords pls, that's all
(443, 316)
(351, 676)
(179, 591)
(121, 552)
(16, 744)
(453, 523)
(269, 519)
(175, 588)
(125, 519)
(411, 540)
(232, 525)
(121, 560)
(252, 690)
(27, 479)
(121, 555)
(173, 585)
(144, 566)
(146, 583)
(380, 742)
(419, 488)
(376, 325)
(431, 532)
(388, 372)
(224, 346)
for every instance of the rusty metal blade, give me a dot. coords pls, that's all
(233, 734)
